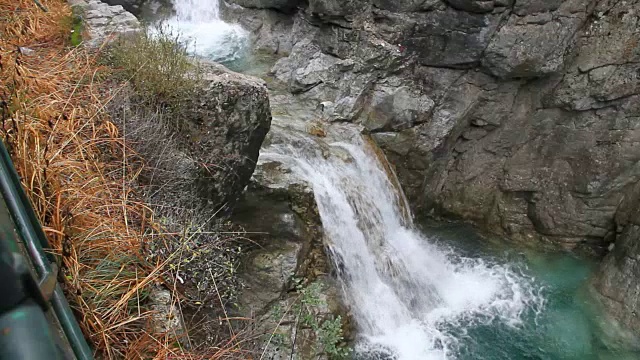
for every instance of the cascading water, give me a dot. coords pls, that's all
(403, 290)
(208, 36)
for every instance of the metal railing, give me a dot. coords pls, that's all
(32, 297)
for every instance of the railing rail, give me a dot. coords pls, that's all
(31, 234)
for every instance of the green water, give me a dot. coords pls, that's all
(569, 326)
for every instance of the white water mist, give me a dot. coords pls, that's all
(403, 290)
(207, 35)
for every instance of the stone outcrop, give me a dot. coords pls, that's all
(469, 99)
(102, 21)
(521, 116)
(130, 5)
(149, 10)
(282, 211)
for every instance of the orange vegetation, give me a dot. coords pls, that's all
(80, 176)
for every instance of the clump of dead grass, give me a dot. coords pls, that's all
(81, 175)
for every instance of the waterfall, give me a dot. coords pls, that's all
(207, 35)
(197, 10)
(403, 290)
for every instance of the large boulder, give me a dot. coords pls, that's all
(203, 154)
(224, 127)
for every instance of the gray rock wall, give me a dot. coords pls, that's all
(521, 116)
(617, 280)
(132, 6)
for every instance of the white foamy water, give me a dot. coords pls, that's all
(208, 36)
(403, 290)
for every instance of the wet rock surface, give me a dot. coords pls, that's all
(282, 211)
(287, 264)
(521, 116)
(289, 285)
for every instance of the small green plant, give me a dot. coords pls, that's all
(73, 25)
(328, 330)
(76, 31)
(332, 339)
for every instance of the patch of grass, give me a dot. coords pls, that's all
(156, 62)
(78, 174)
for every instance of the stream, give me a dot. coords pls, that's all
(417, 291)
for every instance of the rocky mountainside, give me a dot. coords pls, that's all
(521, 116)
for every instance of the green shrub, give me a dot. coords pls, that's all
(328, 330)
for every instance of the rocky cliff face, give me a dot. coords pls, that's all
(522, 116)
(617, 280)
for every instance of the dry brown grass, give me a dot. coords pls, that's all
(80, 175)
